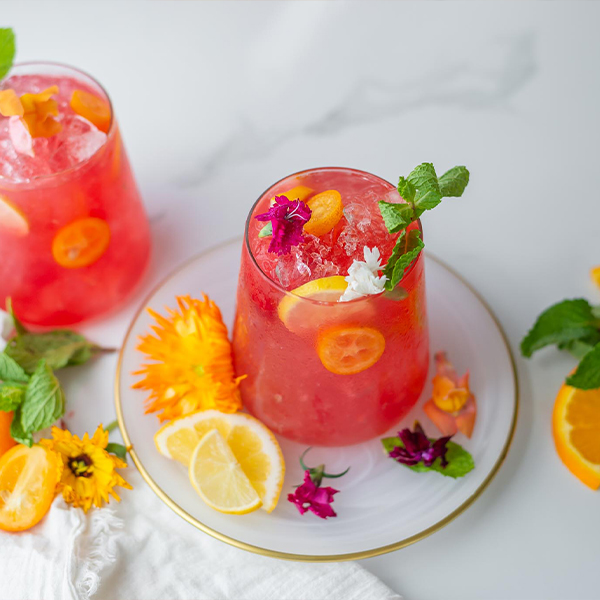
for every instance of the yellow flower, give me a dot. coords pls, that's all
(89, 472)
(36, 110)
(193, 366)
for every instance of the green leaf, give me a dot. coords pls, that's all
(396, 216)
(579, 348)
(397, 294)
(11, 396)
(19, 327)
(454, 182)
(266, 231)
(407, 190)
(10, 369)
(44, 400)
(118, 450)
(407, 248)
(427, 201)
(59, 348)
(424, 179)
(17, 432)
(460, 462)
(563, 322)
(7, 51)
(587, 376)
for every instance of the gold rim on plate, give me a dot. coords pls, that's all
(307, 557)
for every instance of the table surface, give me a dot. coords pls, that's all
(218, 100)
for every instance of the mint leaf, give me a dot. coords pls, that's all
(19, 327)
(460, 462)
(427, 201)
(587, 376)
(60, 348)
(44, 400)
(563, 322)
(407, 248)
(266, 231)
(17, 432)
(579, 348)
(10, 370)
(454, 182)
(11, 396)
(396, 216)
(397, 294)
(118, 450)
(407, 190)
(424, 179)
(7, 50)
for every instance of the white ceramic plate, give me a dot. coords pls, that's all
(382, 506)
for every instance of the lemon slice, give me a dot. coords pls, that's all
(219, 479)
(12, 219)
(298, 315)
(253, 445)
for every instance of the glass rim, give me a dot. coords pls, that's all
(277, 285)
(80, 164)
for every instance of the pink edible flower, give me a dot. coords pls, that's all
(287, 219)
(417, 448)
(310, 496)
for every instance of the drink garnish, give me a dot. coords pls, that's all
(92, 108)
(422, 190)
(287, 221)
(192, 366)
(595, 275)
(452, 406)
(7, 50)
(572, 325)
(326, 211)
(419, 453)
(363, 277)
(310, 495)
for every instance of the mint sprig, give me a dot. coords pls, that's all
(59, 348)
(422, 190)
(7, 50)
(572, 325)
(460, 462)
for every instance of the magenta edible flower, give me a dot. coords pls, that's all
(287, 220)
(310, 495)
(418, 448)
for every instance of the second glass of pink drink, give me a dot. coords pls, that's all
(320, 371)
(74, 237)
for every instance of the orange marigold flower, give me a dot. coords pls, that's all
(193, 368)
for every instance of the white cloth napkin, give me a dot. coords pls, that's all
(140, 550)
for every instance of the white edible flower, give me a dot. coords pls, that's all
(363, 276)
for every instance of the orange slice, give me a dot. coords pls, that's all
(595, 273)
(300, 192)
(576, 430)
(28, 478)
(327, 210)
(90, 107)
(350, 350)
(81, 243)
(12, 220)
(6, 441)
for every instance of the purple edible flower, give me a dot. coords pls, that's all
(310, 496)
(417, 448)
(287, 219)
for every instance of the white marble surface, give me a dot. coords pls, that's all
(218, 100)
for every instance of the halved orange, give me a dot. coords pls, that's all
(28, 478)
(12, 220)
(90, 107)
(81, 243)
(349, 350)
(6, 441)
(327, 210)
(576, 430)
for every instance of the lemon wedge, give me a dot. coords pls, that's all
(253, 445)
(219, 479)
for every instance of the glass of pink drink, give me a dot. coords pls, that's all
(74, 237)
(300, 382)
